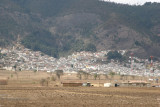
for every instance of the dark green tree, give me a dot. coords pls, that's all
(114, 55)
(95, 76)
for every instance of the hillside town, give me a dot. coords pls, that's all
(20, 58)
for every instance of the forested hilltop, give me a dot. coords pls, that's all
(60, 27)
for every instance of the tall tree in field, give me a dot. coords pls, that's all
(59, 73)
(112, 74)
(122, 77)
(106, 76)
(15, 67)
(99, 76)
(126, 77)
(95, 76)
(86, 75)
(79, 74)
(133, 77)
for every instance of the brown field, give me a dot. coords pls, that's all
(25, 90)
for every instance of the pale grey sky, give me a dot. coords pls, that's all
(133, 1)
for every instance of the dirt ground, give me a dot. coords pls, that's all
(26, 91)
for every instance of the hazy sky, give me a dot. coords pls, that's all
(133, 1)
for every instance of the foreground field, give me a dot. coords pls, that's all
(79, 97)
(24, 90)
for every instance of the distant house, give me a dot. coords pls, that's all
(156, 85)
(72, 84)
(135, 84)
(107, 84)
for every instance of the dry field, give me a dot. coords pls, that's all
(25, 91)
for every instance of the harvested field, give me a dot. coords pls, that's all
(26, 91)
(71, 97)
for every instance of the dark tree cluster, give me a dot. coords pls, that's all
(114, 55)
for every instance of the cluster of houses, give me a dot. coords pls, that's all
(20, 58)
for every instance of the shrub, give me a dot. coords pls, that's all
(53, 78)
(44, 82)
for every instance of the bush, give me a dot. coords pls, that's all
(44, 82)
(53, 78)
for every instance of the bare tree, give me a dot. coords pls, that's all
(15, 68)
(133, 77)
(122, 77)
(126, 77)
(99, 76)
(86, 75)
(112, 74)
(79, 74)
(106, 76)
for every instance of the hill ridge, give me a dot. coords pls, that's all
(58, 28)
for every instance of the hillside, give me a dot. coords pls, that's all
(60, 27)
